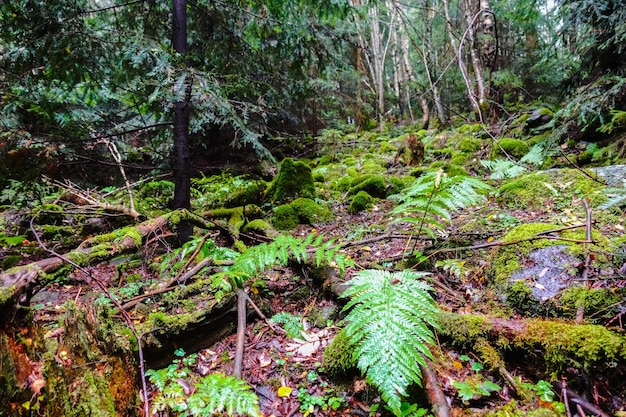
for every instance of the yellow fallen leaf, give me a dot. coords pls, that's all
(284, 391)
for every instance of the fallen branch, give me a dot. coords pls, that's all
(436, 397)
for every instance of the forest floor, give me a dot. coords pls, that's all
(287, 371)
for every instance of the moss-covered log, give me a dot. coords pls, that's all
(16, 281)
(558, 344)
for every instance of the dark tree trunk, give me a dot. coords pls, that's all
(182, 171)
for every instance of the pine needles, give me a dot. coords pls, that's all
(389, 328)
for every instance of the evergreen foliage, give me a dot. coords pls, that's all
(433, 196)
(388, 324)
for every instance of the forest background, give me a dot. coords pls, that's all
(138, 108)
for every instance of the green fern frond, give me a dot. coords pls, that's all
(616, 198)
(290, 323)
(388, 324)
(218, 393)
(536, 156)
(435, 196)
(503, 168)
(257, 259)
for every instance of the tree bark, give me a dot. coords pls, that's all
(181, 163)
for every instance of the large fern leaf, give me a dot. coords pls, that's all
(388, 325)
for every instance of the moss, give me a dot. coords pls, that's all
(506, 261)
(10, 261)
(338, 357)
(469, 144)
(400, 183)
(572, 345)
(361, 201)
(386, 147)
(513, 409)
(466, 330)
(555, 186)
(450, 169)
(294, 180)
(374, 185)
(597, 303)
(285, 217)
(513, 147)
(519, 297)
(257, 226)
(310, 212)
(473, 128)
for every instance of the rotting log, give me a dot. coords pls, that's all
(559, 344)
(19, 280)
(81, 368)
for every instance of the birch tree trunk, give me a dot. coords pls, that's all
(470, 20)
(459, 56)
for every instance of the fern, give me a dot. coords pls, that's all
(258, 258)
(291, 324)
(434, 195)
(503, 168)
(388, 327)
(616, 198)
(218, 393)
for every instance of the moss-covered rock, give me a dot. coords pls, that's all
(469, 144)
(450, 169)
(509, 146)
(285, 217)
(374, 185)
(310, 212)
(554, 186)
(338, 358)
(294, 179)
(361, 201)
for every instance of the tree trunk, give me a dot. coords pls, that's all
(459, 56)
(182, 170)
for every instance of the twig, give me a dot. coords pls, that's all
(241, 332)
(580, 312)
(118, 159)
(124, 314)
(578, 400)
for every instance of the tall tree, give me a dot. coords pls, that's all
(181, 162)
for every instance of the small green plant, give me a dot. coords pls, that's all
(476, 385)
(310, 403)
(388, 327)
(411, 410)
(290, 323)
(180, 392)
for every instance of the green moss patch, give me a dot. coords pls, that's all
(509, 146)
(361, 201)
(294, 180)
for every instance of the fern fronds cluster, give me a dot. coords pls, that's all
(258, 258)
(388, 325)
(290, 323)
(217, 393)
(434, 196)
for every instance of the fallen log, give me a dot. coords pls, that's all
(19, 280)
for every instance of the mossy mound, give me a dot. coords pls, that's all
(598, 304)
(310, 212)
(550, 187)
(374, 185)
(294, 180)
(509, 146)
(469, 144)
(285, 217)
(338, 358)
(361, 201)
(300, 211)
